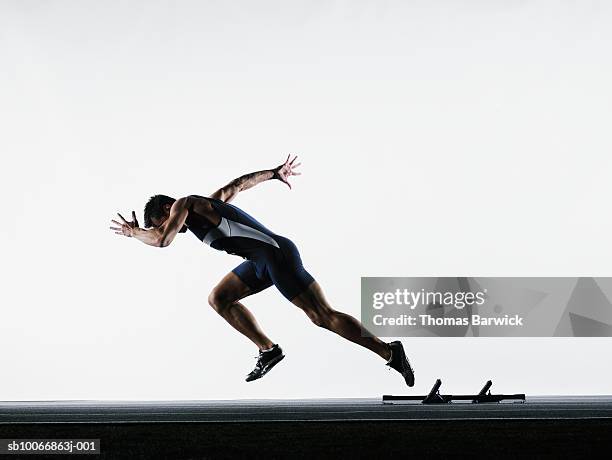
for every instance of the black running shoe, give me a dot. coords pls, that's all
(266, 361)
(400, 363)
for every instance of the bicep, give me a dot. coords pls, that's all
(176, 220)
(226, 193)
(218, 195)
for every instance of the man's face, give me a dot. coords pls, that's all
(158, 222)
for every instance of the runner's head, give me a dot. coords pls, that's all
(157, 210)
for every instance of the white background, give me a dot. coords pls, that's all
(437, 138)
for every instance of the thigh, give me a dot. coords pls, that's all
(284, 267)
(290, 280)
(312, 299)
(244, 280)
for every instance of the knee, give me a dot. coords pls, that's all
(320, 318)
(218, 299)
(317, 320)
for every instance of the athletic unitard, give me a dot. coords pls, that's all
(270, 258)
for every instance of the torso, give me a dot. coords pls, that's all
(202, 216)
(228, 228)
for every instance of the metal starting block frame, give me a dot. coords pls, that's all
(434, 396)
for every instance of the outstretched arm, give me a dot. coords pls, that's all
(160, 236)
(282, 173)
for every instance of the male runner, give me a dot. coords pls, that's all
(269, 259)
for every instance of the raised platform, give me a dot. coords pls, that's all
(552, 427)
(331, 410)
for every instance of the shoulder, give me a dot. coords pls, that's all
(189, 201)
(182, 203)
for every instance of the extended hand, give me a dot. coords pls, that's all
(285, 170)
(126, 228)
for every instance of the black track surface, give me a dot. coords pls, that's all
(362, 428)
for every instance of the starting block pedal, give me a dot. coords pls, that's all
(434, 396)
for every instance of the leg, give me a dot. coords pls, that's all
(298, 286)
(313, 302)
(224, 299)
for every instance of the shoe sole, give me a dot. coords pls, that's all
(273, 362)
(407, 373)
(410, 377)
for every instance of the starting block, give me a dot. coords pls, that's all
(434, 396)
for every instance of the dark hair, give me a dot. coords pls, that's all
(155, 208)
